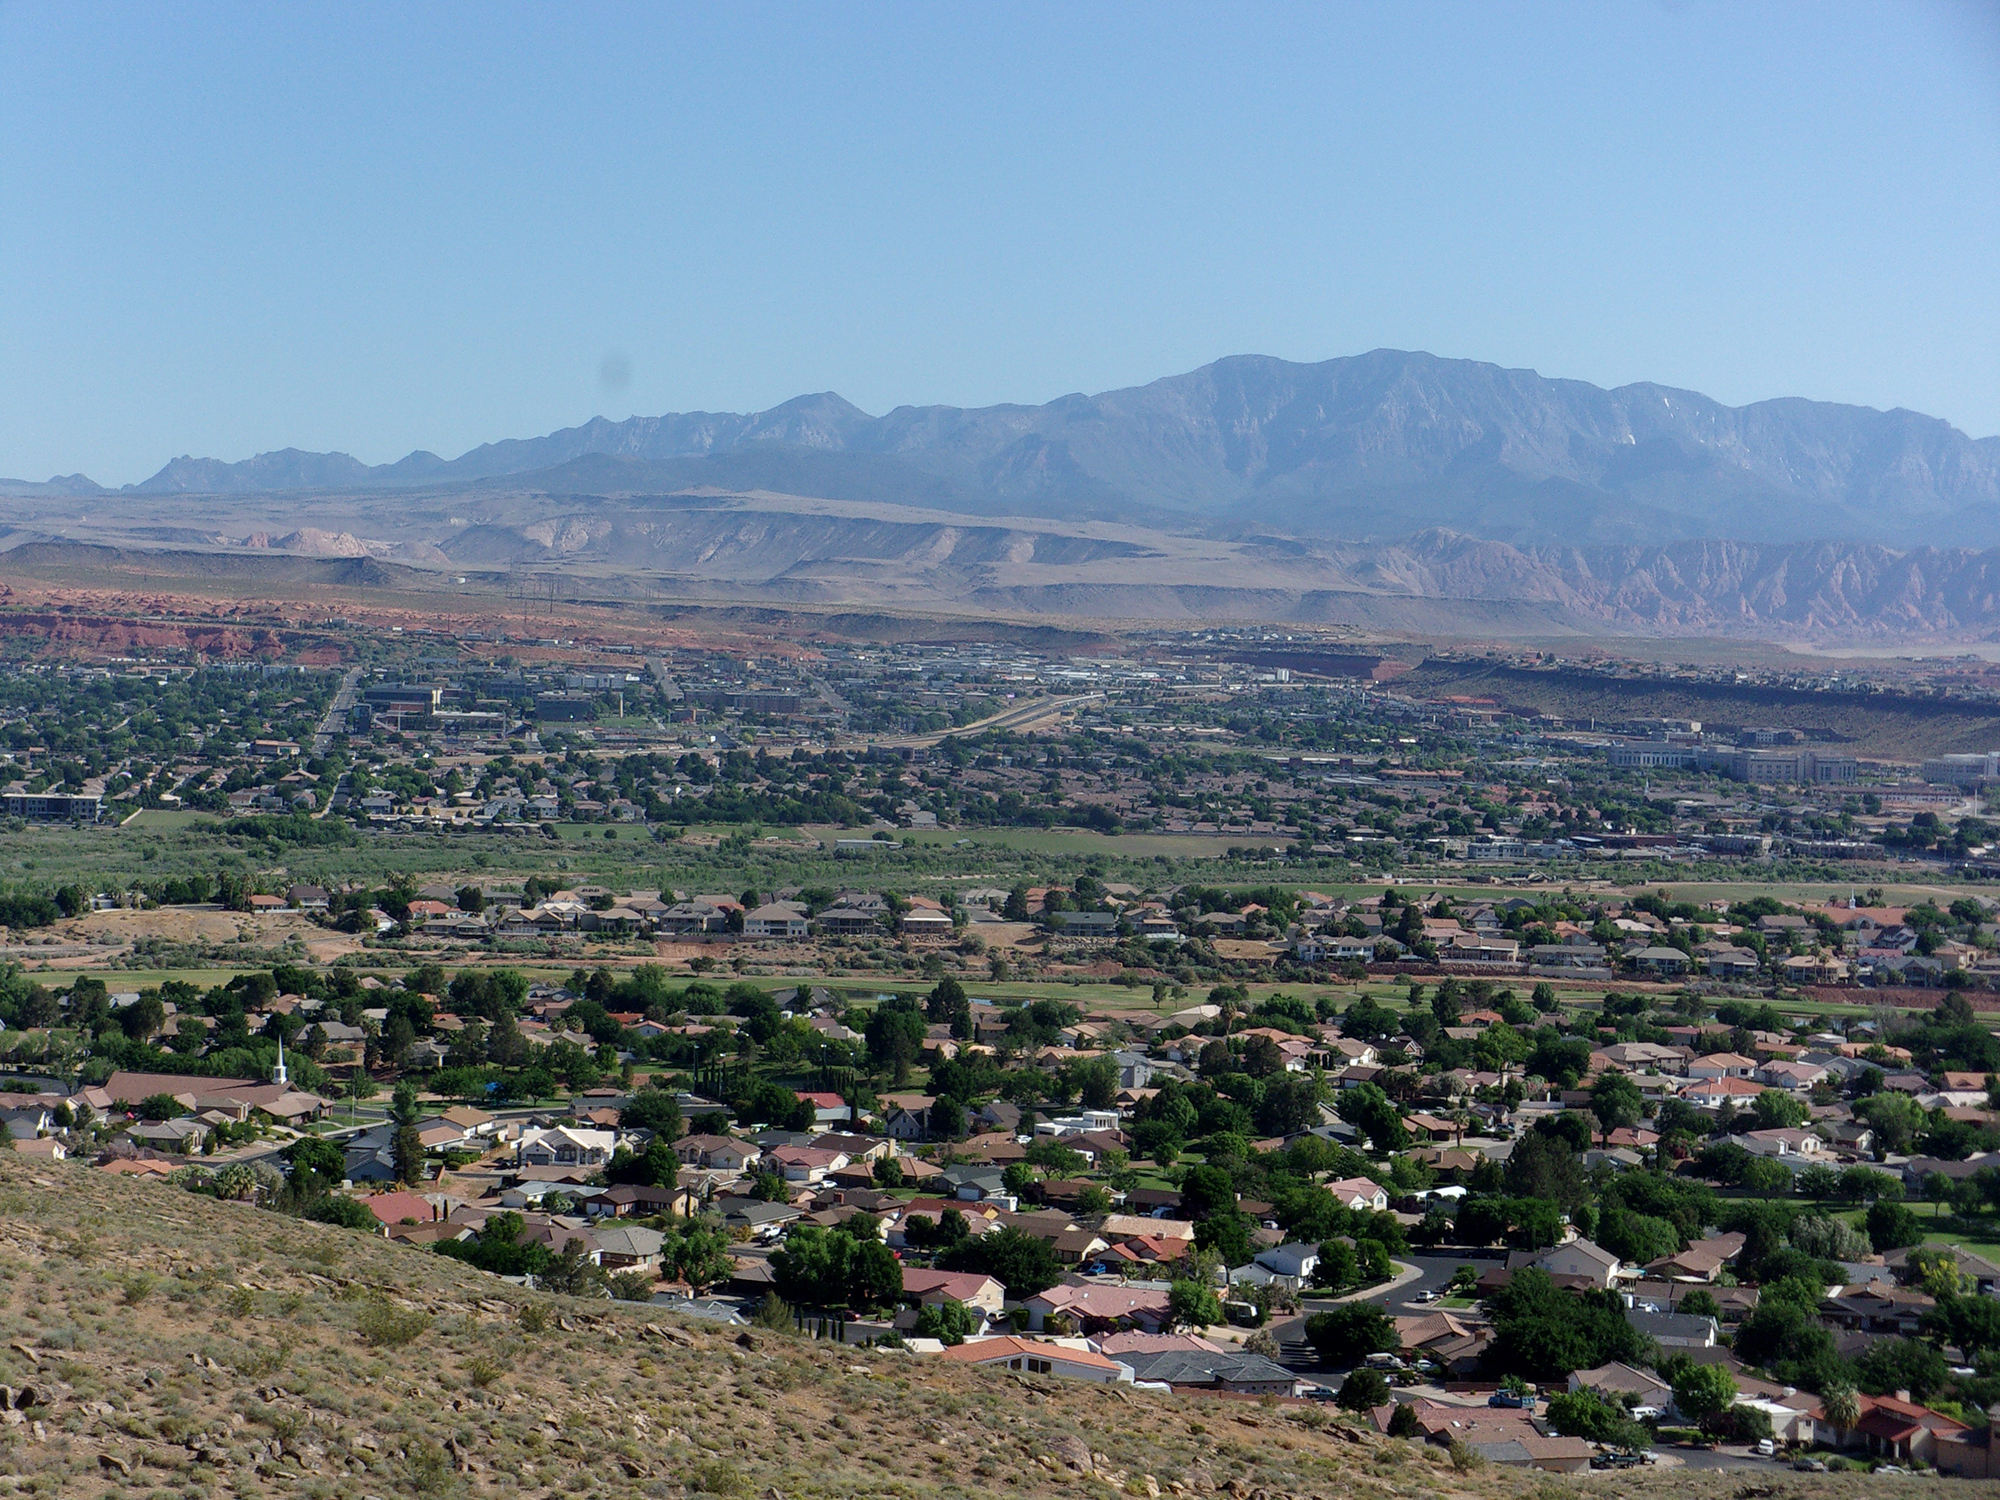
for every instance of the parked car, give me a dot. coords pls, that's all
(1809, 1465)
(1428, 1294)
(1617, 1461)
(1319, 1393)
(1765, 1448)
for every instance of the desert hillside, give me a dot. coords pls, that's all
(161, 1343)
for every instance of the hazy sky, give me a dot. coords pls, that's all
(225, 229)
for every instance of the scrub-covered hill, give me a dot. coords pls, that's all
(157, 1343)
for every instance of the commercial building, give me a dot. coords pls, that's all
(1969, 771)
(54, 807)
(1650, 755)
(1782, 767)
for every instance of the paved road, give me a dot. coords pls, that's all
(337, 714)
(1397, 1298)
(1436, 1272)
(1731, 1456)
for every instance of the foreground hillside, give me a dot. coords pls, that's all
(161, 1343)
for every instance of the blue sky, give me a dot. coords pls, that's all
(225, 229)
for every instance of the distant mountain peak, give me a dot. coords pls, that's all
(1384, 443)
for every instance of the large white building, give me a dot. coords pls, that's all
(1963, 770)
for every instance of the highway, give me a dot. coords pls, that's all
(337, 714)
(1017, 717)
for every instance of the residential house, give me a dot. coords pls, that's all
(1069, 1360)
(803, 1163)
(1722, 1065)
(1791, 1077)
(1896, 1428)
(1359, 1193)
(1508, 1439)
(1796, 1147)
(1292, 1261)
(1229, 1369)
(1617, 1381)
(627, 1247)
(1702, 1261)
(1675, 1330)
(828, 1108)
(183, 1135)
(778, 920)
(983, 1294)
(715, 1153)
(1974, 1452)
(1101, 1305)
(567, 1146)
(1578, 1262)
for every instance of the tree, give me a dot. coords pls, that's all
(1700, 1303)
(1891, 1226)
(947, 1320)
(696, 1253)
(1206, 1191)
(570, 1272)
(1363, 1390)
(1842, 1407)
(895, 1038)
(1616, 1102)
(1403, 1422)
(314, 1162)
(1290, 1104)
(943, 1003)
(143, 1017)
(1021, 1263)
(1704, 1393)
(1372, 1112)
(1193, 1305)
(348, 1213)
(1351, 1332)
(1971, 1322)
(1543, 1333)
(828, 1268)
(406, 1146)
(1639, 1238)
(1890, 1365)
(1896, 1119)
(1787, 1338)
(654, 1109)
(1766, 1177)
(1825, 1237)
(1583, 1413)
(1777, 1110)
(1546, 1167)
(1228, 1235)
(656, 1166)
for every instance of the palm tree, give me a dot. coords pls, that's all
(1842, 1407)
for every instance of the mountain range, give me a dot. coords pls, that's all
(1374, 447)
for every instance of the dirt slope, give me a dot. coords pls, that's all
(159, 1342)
